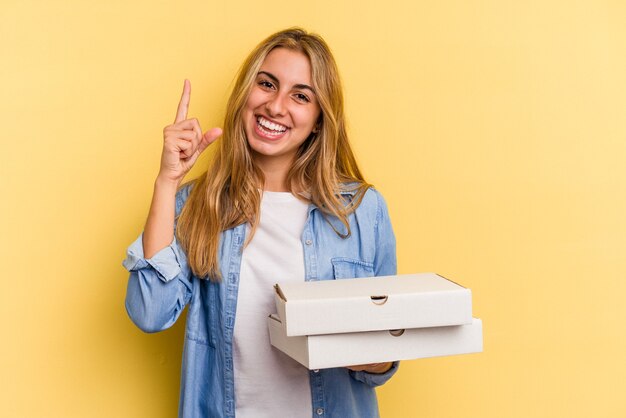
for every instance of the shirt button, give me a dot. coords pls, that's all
(309, 242)
(319, 411)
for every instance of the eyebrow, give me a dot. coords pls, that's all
(296, 86)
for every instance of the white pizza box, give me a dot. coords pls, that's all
(347, 349)
(371, 304)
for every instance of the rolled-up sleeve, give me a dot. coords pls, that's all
(166, 262)
(159, 287)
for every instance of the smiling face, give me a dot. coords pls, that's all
(282, 109)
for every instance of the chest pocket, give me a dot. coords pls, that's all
(349, 268)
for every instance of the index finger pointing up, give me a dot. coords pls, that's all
(183, 106)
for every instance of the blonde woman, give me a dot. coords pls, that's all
(283, 200)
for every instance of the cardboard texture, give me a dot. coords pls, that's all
(338, 350)
(370, 304)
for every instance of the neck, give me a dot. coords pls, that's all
(275, 172)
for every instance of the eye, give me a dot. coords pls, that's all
(266, 84)
(301, 97)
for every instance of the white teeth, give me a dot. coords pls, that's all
(271, 125)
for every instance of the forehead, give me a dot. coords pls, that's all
(289, 66)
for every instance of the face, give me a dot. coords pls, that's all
(282, 109)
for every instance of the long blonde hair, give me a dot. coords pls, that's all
(228, 194)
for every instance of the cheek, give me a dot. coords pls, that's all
(308, 118)
(254, 100)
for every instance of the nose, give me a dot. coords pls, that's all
(276, 105)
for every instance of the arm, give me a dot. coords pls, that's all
(160, 286)
(183, 142)
(385, 264)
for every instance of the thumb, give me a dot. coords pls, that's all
(208, 138)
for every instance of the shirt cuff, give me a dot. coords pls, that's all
(165, 262)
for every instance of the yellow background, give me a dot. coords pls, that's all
(495, 129)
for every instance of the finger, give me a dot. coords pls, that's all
(185, 148)
(183, 105)
(177, 145)
(190, 124)
(196, 128)
(190, 136)
(361, 367)
(208, 138)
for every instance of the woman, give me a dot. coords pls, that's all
(282, 200)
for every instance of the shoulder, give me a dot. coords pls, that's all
(373, 197)
(378, 215)
(372, 202)
(371, 208)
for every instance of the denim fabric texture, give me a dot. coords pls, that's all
(159, 288)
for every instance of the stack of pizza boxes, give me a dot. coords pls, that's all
(338, 323)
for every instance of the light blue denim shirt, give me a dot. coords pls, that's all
(159, 288)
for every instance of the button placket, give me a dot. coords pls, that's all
(310, 263)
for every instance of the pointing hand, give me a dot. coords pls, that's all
(183, 141)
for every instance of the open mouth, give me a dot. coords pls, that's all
(269, 128)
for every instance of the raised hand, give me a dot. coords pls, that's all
(183, 141)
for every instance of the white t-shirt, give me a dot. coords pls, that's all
(268, 383)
